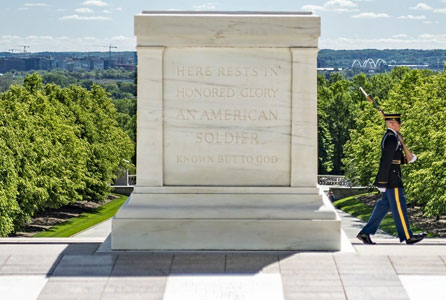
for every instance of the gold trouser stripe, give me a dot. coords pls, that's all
(403, 221)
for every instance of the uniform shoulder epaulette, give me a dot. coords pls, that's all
(385, 137)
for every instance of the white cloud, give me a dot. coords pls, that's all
(426, 36)
(42, 37)
(33, 4)
(431, 22)
(424, 41)
(421, 6)
(84, 10)
(370, 15)
(411, 17)
(84, 18)
(399, 36)
(333, 5)
(425, 7)
(10, 37)
(118, 9)
(340, 3)
(28, 5)
(205, 6)
(440, 10)
(95, 3)
(122, 38)
(312, 7)
(106, 11)
(342, 10)
(61, 9)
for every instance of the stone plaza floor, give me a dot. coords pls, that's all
(83, 267)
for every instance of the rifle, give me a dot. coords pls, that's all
(408, 154)
(371, 101)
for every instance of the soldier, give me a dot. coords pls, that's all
(390, 184)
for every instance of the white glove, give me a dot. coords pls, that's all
(382, 190)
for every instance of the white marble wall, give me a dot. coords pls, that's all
(149, 121)
(304, 120)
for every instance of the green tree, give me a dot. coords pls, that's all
(59, 78)
(9, 208)
(108, 145)
(126, 106)
(59, 145)
(325, 142)
(8, 79)
(336, 112)
(45, 150)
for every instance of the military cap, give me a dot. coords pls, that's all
(393, 117)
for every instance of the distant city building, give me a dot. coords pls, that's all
(409, 66)
(8, 64)
(329, 69)
(12, 63)
(108, 64)
(67, 61)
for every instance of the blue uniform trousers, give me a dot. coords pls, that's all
(393, 199)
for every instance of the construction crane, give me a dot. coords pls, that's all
(12, 51)
(110, 47)
(24, 48)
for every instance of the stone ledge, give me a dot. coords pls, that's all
(227, 29)
(208, 234)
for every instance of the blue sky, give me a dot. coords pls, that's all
(92, 25)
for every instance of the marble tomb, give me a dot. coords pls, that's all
(227, 135)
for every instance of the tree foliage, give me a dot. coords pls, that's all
(58, 145)
(336, 116)
(119, 84)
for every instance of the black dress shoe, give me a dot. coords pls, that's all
(365, 238)
(416, 238)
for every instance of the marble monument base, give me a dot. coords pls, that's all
(226, 218)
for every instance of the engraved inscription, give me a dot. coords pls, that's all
(218, 92)
(227, 159)
(226, 138)
(226, 71)
(227, 116)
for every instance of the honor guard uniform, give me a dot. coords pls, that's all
(389, 182)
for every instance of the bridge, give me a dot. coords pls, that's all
(370, 64)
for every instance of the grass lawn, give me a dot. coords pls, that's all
(85, 220)
(362, 211)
